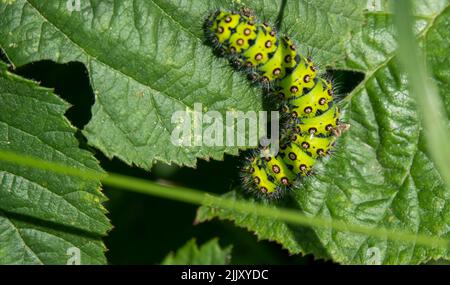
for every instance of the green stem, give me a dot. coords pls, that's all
(202, 198)
(423, 89)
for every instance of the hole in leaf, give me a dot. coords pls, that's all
(70, 81)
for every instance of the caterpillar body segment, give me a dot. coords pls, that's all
(312, 116)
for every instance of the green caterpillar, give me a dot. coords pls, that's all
(273, 60)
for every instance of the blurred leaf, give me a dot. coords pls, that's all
(381, 173)
(209, 253)
(44, 214)
(436, 50)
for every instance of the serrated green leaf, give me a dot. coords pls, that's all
(43, 214)
(147, 59)
(210, 253)
(381, 173)
(296, 240)
(144, 62)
